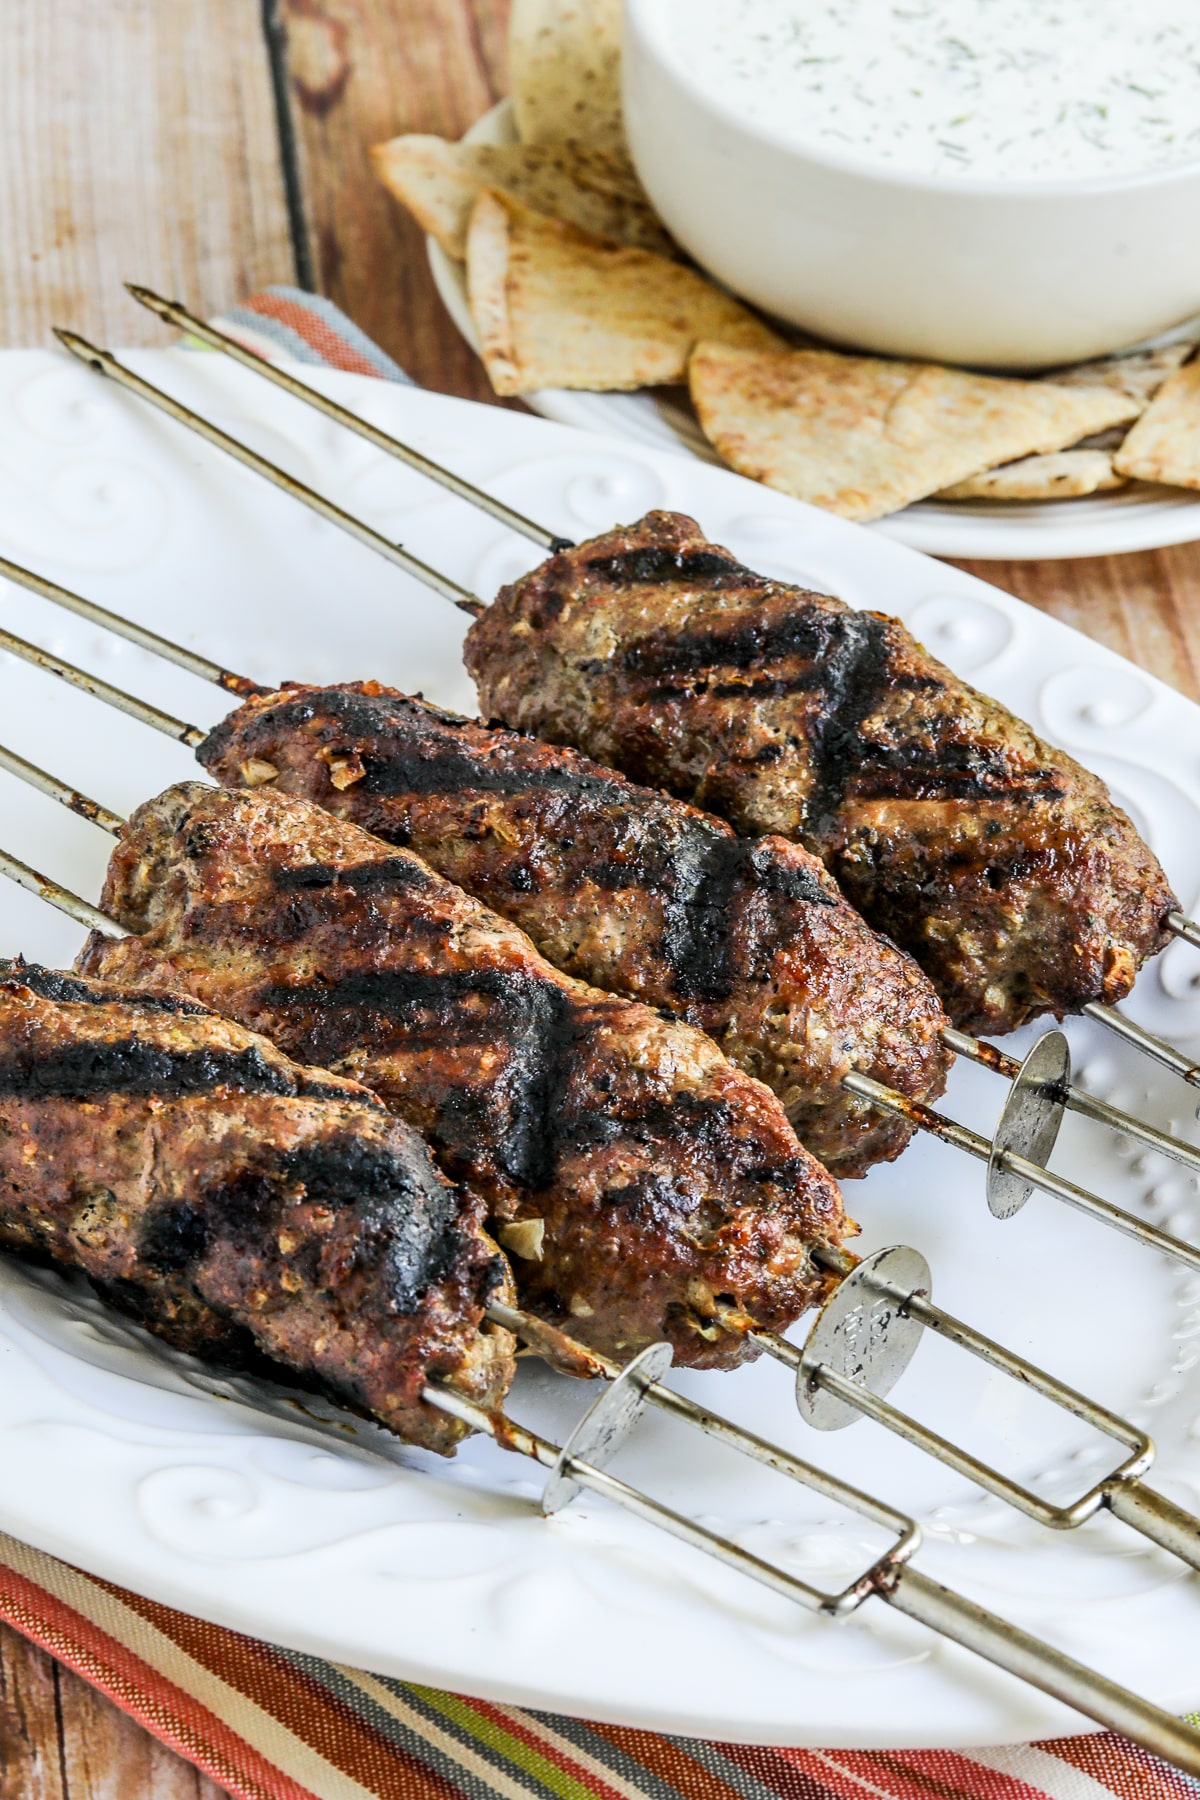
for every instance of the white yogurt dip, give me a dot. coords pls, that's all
(991, 89)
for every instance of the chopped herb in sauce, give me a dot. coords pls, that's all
(991, 88)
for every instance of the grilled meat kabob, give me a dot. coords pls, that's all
(273, 1218)
(646, 1187)
(589, 879)
(998, 862)
(240, 1206)
(624, 887)
(842, 1373)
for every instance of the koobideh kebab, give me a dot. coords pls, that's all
(646, 1189)
(641, 894)
(291, 1226)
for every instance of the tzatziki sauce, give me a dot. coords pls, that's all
(991, 89)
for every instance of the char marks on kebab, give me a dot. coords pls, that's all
(627, 888)
(243, 1208)
(994, 859)
(646, 1187)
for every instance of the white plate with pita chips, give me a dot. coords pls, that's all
(1140, 515)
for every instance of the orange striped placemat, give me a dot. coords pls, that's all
(272, 1724)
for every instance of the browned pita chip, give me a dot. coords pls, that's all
(439, 182)
(1063, 475)
(555, 306)
(1164, 445)
(862, 436)
(565, 69)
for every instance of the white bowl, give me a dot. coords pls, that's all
(1024, 274)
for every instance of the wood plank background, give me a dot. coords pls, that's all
(210, 147)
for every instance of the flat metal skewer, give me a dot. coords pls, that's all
(172, 312)
(61, 898)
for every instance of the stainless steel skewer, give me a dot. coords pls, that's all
(172, 312)
(863, 1340)
(581, 1463)
(1016, 1156)
(987, 1056)
(105, 363)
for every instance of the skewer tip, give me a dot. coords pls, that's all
(79, 346)
(146, 297)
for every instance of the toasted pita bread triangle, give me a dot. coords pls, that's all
(1065, 474)
(555, 306)
(1164, 445)
(439, 182)
(565, 71)
(862, 436)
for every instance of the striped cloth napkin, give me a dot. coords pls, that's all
(271, 1724)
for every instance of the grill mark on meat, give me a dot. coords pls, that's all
(419, 768)
(51, 984)
(534, 1019)
(961, 772)
(655, 563)
(856, 677)
(458, 771)
(736, 646)
(700, 942)
(86, 1070)
(358, 878)
(538, 1025)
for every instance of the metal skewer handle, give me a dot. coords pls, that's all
(582, 1463)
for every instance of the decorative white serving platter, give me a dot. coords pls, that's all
(151, 1472)
(1139, 517)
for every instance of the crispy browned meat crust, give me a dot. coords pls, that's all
(996, 860)
(665, 1181)
(627, 888)
(239, 1206)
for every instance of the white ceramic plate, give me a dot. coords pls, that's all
(1140, 517)
(139, 1466)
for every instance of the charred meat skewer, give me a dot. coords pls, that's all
(748, 940)
(242, 1207)
(995, 860)
(646, 1188)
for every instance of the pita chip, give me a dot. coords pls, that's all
(1164, 445)
(863, 436)
(565, 66)
(1139, 374)
(439, 182)
(1062, 476)
(555, 306)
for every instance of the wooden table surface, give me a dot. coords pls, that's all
(208, 147)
